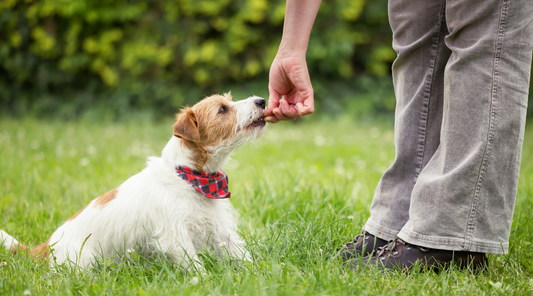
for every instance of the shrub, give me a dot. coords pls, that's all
(61, 57)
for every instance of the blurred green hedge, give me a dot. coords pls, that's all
(63, 57)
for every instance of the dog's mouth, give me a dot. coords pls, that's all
(259, 122)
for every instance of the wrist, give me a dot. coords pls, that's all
(291, 51)
(299, 18)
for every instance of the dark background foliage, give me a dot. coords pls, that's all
(65, 58)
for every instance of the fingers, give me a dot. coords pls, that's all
(281, 116)
(273, 102)
(288, 110)
(271, 119)
(279, 109)
(285, 112)
(307, 107)
(278, 116)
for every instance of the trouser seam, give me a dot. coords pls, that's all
(422, 136)
(471, 222)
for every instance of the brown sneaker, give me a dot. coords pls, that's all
(398, 254)
(362, 245)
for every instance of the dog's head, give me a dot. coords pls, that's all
(216, 126)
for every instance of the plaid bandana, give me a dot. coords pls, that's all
(212, 185)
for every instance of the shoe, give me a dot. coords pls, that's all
(362, 245)
(398, 254)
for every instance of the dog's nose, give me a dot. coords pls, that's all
(260, 103)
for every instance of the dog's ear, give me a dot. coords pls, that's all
(186, 126)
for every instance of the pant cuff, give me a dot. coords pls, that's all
(453, 244)
(379, 231)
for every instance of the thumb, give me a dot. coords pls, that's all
(273, 102)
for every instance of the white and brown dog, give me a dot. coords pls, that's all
(174, 206)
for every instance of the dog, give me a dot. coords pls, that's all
(176, 206)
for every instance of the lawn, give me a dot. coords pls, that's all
(301, 192)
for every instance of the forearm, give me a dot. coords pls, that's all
(299, 18)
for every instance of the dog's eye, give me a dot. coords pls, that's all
(223, 109)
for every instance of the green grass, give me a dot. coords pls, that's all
(301, 192)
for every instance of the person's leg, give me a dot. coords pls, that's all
(464, 197)
(419, 28)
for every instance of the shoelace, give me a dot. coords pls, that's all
(391, 247)
(356, 238)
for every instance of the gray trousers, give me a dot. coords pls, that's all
(461, 80)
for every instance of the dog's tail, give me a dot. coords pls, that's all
(13, 245)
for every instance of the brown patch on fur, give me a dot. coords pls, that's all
(199, 155)
(104, 199)
(40, 252)
(186, 126)
(79, 212)
(203, 126)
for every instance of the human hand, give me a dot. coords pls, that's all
(291, 92)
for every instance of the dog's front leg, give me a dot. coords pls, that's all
(183, 253)
(232, 244)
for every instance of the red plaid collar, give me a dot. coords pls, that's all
(212, 185)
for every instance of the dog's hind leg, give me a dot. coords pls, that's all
(11, 244)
